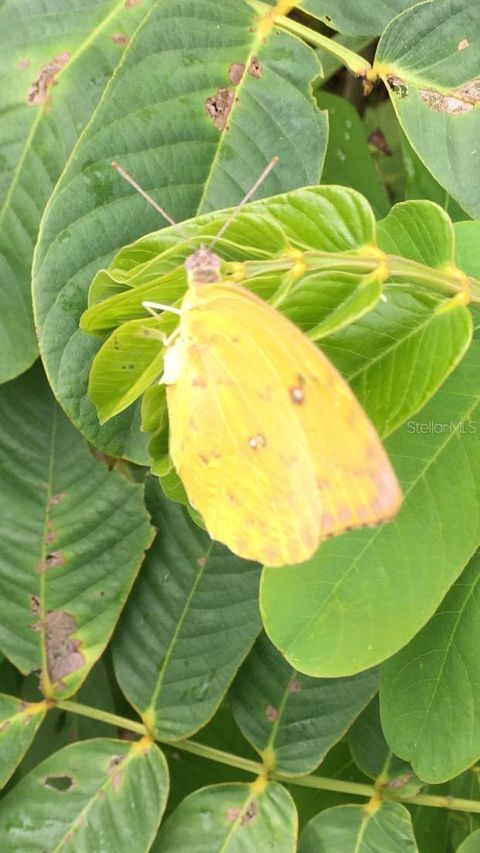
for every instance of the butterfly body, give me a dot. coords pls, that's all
(272, 446)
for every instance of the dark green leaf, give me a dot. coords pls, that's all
(98, 791)
(190, 620)
(293, 720)
(73, 537)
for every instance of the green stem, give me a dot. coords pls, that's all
(323, 783)
(355, 63)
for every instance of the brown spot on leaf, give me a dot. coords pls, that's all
(35, 605)
(24, 63)
(63, 655)
(255, 68)
(250, 813)
(115, 771)
(377, 139)
(400, 781)
(463, 44)
(129, 3)
(120, 38)
(294, 686)
(55, 499)
(39, 90)
(271, 713)
(49, 537)
(218, 107)
(233, 813)
(235, 72)
(51, 561)
(202, 561)
(4, 725)
(459, 101)
(61, 784)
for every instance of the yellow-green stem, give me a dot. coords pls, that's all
(355, 63)
(323, 783)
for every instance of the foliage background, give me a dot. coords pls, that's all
(99, 736)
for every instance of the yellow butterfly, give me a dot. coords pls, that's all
(273, 448)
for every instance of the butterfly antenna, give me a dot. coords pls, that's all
(148, 197)
(247, 197)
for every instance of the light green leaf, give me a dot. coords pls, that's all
(365, 594)
(19, 722)
(471, 844)
(233, 818)
(293, 720)
(96, 790)
(429, 58)
(126, 365)
(372, 754)
(419, 230)
(348, 16)
(348, 160)
(430, 690)
(189, 622)
(154, 120)
(355, 829)
(467, 245)
(398, 355)
(64, 573)
(37, 137)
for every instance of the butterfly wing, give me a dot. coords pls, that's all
(272, 446)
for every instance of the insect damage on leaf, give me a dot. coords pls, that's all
(39, 90)
(62, 784)
(218, 107)
(52, 560)
(62, 651)
(120, 38)
(458, 101)
(255, 68)
(115, 771)
(235, 72)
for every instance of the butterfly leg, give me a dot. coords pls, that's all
(154, 307)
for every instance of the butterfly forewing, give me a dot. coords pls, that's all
(272, 446)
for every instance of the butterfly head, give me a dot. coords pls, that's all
(203, 267)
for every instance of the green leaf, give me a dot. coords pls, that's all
(153, 118)
(232, 819)
(355, 829)
(37, 138)
(467, 242)
(372, 754)
(290, 719)
(98, 789)
(65, 574)
(429, 58)
(349, 16)
(419, 230)
(348, 160)
(61, 728)
(471, 844)
(365, 594)
(420, 183)
(126, 365)
(189, 622)
(431, 689)
(398, 355)
(19, 722)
